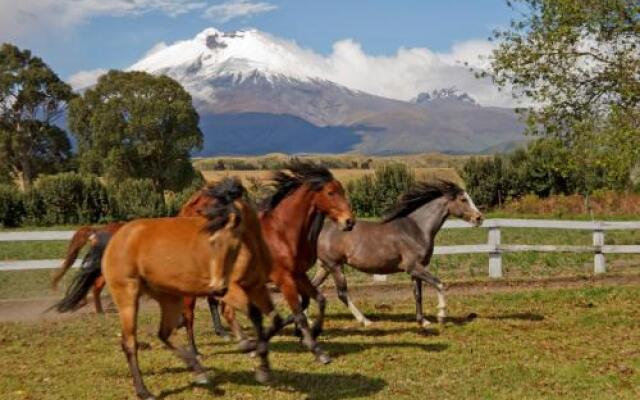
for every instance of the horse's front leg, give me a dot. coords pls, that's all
(417, 293)
(218, 328)
(421, 272)
(341, 286)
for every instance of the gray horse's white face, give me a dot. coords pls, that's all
(462, 206)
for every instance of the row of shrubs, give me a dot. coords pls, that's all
(72, 198)
(371, 195)
(600, 204)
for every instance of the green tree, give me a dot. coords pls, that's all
(32, 96)
(136, 125)
(575, 59)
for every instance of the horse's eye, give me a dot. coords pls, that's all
(331, 193)
(464, 200)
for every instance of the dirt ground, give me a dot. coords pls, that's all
(35, 309)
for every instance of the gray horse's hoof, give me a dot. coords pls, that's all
(426, 324)
(323, 358)
(366, 323)
(146, 396)
(247, 346)
(263, 375)
(201, 379)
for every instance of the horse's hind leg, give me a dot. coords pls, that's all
(172, 307)
(125, 295)
(215, 317)
(98, 285)
(417, 293)
(237, 298)
(421, 272)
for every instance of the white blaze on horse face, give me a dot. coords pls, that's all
(471, 203)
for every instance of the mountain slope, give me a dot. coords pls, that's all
(257, 94)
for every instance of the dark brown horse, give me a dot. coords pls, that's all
(402, 242)
(192, 208)
(291, 220)
(223, 255)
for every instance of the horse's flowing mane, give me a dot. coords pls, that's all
(295, 174)
(224, 193)
(420, 194)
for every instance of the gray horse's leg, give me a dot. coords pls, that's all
(421, 272)
(343, 295)
(417, 293)
(321, 275)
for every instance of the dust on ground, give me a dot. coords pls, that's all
(35, 309)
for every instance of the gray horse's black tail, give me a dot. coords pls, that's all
(90, 270)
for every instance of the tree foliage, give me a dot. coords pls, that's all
(575, 59)
(136, 125)
(32, 96)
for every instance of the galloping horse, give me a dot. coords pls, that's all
(79, 239)
(222, 255)
(402, 242)
(192, 208)
(291, 220)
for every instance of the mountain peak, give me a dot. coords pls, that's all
(213, 53)
(446, 94)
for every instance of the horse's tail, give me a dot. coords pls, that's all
(78, 240)
(85, 278)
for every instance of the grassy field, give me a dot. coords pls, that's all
(553, 344)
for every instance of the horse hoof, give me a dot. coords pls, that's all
(425, 323)
(323, 358)
(201, 379)
(253, 354)
(146, 396)
(263, 375)
(366, 323)
(247, 346)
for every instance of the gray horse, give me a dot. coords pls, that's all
(402, 242)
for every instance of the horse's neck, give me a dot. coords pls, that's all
(296, 214)
(430, 217)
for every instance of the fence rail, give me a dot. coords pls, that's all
(494, 248)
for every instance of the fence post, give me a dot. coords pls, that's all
(599, 265)
(495, 258)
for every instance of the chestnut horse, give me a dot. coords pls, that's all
(79, 239)
(291, 220)
(192, 208)
(222, 255)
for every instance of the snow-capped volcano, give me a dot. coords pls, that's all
(258, 93)
(213, 53)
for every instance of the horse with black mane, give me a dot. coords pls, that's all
(291, 220)
(222, 255)
(402, 242)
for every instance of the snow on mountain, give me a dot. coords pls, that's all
(257, 93)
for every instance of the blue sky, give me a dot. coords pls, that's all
(82, 35)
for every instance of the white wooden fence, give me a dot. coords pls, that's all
(494, 247)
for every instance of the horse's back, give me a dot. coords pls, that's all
(170, 253)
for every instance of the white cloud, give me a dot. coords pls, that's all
(236, 9)
(84, 79)
(23, 17)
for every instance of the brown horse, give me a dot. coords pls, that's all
(402, 242)
(79, 239)
(223, 255)
(192, 208)
(291, 220)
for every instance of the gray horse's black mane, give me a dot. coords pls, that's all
(225, 193)
(295, 174)
(420, 194)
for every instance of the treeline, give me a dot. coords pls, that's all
(544, 168)
(276, 163)
(73, 198)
